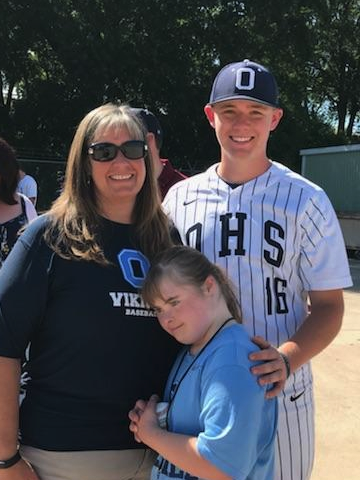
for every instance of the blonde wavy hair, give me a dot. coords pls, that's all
(75, 224)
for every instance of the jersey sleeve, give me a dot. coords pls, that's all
(234, 412)
(324, 264)
(23, 291)
(168, 202)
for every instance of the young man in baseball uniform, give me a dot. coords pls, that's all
(277, 236)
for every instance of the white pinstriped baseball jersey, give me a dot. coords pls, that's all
(277, 237)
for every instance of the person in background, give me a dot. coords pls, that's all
(278, 238)
(219, 424)
(166, 174)
(27, 186)
(16, 210)
(70, 288)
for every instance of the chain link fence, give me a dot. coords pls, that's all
(49, 174)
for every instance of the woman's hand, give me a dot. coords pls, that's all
(274, 369)
(22, 470)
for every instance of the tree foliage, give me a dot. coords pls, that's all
(61, 58)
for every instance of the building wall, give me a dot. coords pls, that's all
(337, 171)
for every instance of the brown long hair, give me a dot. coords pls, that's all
(189, 267)
(9, 173)
(75, 222)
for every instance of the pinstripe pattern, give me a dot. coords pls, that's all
(277, 237)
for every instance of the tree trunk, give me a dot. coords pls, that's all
(341, 111)
(353, 113)
(10, 95)
(2, 100)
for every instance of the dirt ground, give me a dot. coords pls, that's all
(337, 393)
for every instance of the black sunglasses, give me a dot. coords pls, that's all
(105, 152)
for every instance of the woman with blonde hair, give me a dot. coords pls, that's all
(70, 288)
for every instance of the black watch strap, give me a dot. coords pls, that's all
(10, 461)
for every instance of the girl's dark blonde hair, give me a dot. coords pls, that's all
(75, 224)
(187, 266)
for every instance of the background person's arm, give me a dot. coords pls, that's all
(9, 406)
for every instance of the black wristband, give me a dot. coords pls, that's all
(287, 363)
(10, 461)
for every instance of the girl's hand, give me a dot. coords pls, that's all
(134, 417)
(144, 420)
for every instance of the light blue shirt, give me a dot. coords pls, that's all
(220, 402)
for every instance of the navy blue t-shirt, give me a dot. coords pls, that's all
(95, 346)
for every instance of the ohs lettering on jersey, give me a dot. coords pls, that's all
(273, 252)
(134, 266)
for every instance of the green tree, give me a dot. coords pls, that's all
(336, 62)
(62, 58)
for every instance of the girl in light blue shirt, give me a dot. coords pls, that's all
(219, 425)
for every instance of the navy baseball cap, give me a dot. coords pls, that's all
(151, 123)
(245, 80)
